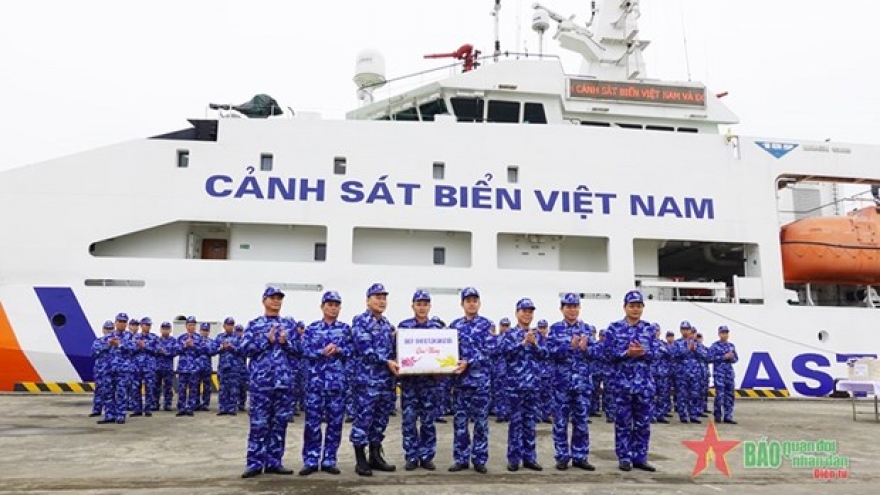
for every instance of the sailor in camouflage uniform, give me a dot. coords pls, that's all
(498, 383)
(228, 372)
(571, 349)
(375, 370)
(134, 326)
(472, 382)
(663, 378)
(120, 348)
(546, 396)
(206, 367)
(418, 396)
(705, 377)
(526, 352)
(189, 348)
(145, 368)
(269, 341)
(630, 346)
(687, 356)
(603, 370)
(101, 369)
(723, 356)
(326, 348)
(166, 349)
(242, 370)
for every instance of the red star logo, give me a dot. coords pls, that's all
(711, 447)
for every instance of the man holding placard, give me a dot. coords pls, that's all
(418, 395)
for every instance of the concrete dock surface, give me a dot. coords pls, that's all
(49, 445)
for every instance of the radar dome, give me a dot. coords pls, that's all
(370, 69)
(540, 20)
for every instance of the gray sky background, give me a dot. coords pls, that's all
(75, 75)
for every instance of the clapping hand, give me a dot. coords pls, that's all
(635, 349)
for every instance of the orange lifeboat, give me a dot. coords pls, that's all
(833, 250)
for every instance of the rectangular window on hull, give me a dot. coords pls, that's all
(266, 162)
(320, 251)
(439, 256)
(339, 165)
(182, 158)
(513, 175)
(439, 170)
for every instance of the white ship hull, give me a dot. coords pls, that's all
(704, 188)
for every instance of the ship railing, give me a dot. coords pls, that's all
(665, 289)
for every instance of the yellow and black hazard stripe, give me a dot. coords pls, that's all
(756, 393)
(54, 387)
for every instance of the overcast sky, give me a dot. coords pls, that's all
(75, 75)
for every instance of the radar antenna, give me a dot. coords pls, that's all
(613, 50)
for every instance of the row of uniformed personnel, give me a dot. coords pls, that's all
(362, 356)
(134, 368)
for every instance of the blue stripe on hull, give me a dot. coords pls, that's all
(71, 327)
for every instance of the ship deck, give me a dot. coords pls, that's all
(50, 446)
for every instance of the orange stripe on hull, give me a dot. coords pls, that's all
(14, 365)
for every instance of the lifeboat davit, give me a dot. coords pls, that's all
(833, 250)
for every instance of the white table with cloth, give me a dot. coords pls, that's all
(870, 387)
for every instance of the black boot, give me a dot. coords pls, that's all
(376, 460)
(361, 467)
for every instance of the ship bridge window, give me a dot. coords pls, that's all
(691, 130)
(408, 114)
(430, 109)
(628, 126)
(468, 109)
(553, 252)
(700, 271)
(660, 128)
(534, 114)
(503, 111)
(408, 247)
(595, 124)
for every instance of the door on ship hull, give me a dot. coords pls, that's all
(215, 249)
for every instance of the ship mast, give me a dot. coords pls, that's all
(609, 44)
